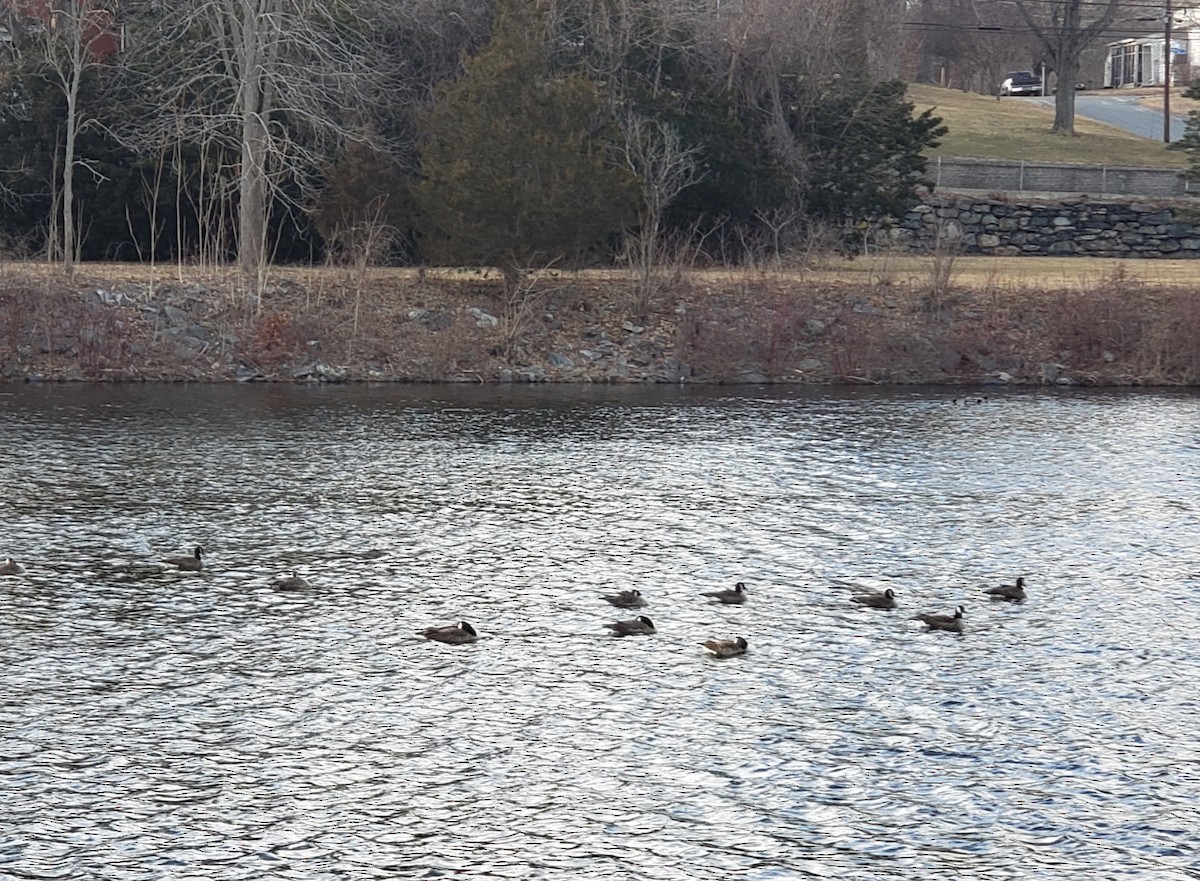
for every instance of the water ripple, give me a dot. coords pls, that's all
(157, 724)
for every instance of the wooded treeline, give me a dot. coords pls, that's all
(515, 133)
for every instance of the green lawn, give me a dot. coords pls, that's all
(1018, 128)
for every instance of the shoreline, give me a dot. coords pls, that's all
(703, 328)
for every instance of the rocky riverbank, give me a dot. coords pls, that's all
(706, 328)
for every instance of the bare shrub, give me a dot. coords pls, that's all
(758, 328)
(1091, 328)
(942, 260)
(1173, 345)
(274, 340)
(712, 337)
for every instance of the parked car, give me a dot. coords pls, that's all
(1021, 82)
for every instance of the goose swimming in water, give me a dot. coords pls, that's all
(455, 634)
(730, 597)
(192, 563)
(885, 600)
(639, 626)
(953, 623)
(11, 567)
(1014, 592)
(626, 599)
(291, 581)
(726, 648)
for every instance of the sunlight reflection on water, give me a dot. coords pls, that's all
(155, 724)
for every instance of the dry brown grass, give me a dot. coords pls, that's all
(1104, 321)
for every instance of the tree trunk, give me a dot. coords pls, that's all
(68, 184)
(252, 195)
(1066, 71)
(74, 75)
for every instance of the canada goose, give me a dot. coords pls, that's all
(292, 581)
(725, 648)
(188, 564)
(455, 634)
(1015, 592)
(731, 597)
(953, 622)
(639, 626)
(626, 599)
(885, 600)
(11, 567)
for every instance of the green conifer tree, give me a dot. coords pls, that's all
(515, 160)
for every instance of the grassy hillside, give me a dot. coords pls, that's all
(1019, 128)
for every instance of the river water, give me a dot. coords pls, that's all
(163, 725)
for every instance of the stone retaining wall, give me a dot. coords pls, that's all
(1082, 226)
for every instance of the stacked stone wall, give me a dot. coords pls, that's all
(1080, 226)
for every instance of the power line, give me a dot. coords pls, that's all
(1020, 30)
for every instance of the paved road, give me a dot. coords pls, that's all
(1124, 112)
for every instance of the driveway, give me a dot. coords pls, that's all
(1123, 112)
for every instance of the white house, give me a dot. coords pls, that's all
(1138, 61)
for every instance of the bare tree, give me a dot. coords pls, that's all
(1065, 28)
(278, 84)
(664, 168)
(74, 40)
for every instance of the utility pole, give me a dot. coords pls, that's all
(1168, 63)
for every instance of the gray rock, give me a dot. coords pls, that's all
(949, 362)
(329, 373)
(483, 319)
(177, 317)
(242, 373)
(810, 365)
(112, 298)
(632, 328)
(559, 361)
(1051, 371)
(814, 326)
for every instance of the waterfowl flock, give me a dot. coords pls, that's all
(952, 623)
(463, 633)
